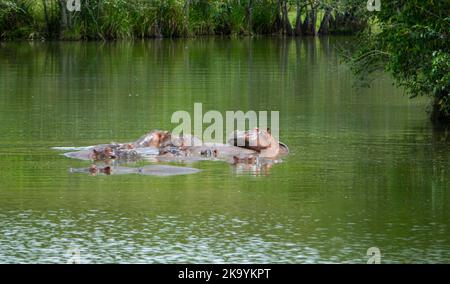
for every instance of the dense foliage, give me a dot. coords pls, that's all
(412, 43)
(114, 19)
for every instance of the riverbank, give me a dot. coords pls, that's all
(126, 19)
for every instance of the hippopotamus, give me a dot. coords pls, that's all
(257, 148)
(260, 141)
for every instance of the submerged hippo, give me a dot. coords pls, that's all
(253, 148)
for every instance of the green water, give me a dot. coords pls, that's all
(366, 167)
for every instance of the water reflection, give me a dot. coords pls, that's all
(151, 170)
(366, 168)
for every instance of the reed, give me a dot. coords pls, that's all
(127, 19)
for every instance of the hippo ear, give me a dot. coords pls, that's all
(268, 130)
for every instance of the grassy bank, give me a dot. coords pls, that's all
(124, 19)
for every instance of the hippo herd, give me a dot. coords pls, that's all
(253, 150)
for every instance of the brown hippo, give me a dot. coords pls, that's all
(114, 151)
(260, 141)
(255, 148)
(155, 138)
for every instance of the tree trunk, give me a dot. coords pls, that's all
(47, 24)
(287, 28)
(63, 15)
(249, 17)
(338, 23)
(332, 24)
(305, 23)
(309, 25)
(325, 24)
(277, 25)
(298, 21)
(187, 7)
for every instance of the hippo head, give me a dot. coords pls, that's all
(260, 141)
(255, 139)
(156, 138)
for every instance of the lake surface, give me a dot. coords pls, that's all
(366, 167)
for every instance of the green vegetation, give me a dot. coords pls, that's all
(412, 43)
(121, 19)
(407, 38)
